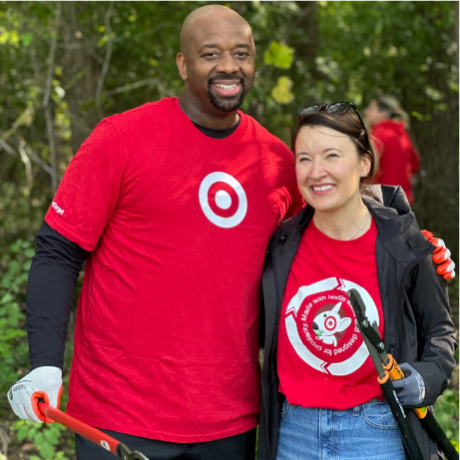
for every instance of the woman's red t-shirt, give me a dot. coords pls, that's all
(323, 361)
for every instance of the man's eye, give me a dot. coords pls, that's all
(242, 54)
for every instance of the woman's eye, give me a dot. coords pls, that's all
(332, 155)
(304, 159)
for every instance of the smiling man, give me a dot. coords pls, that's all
(172, 205)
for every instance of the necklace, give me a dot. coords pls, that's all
(362, 226)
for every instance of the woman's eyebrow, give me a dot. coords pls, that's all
(331, 148)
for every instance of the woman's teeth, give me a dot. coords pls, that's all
(323, 188)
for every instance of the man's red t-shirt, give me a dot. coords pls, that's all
(399, 160)
(166, 341)
(323, 361)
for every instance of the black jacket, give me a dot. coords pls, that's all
(418, 325)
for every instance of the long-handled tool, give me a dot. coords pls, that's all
(388, 370)
(88, 432)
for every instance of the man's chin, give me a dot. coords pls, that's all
(226, 104)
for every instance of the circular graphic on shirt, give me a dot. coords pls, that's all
(320, 324)
(223, 200)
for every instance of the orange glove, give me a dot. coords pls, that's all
(441, 257)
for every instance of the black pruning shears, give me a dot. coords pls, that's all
(388, 370)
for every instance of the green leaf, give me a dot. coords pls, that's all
(282, 91)
(52, 436)
(26, 39)
(46, 451)
(22, 432)
(279, 55)
(6, 298)
(29, 253)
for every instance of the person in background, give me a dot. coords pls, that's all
(399, 159)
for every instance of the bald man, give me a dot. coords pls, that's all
(171, 205)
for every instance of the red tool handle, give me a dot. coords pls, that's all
(93, 434)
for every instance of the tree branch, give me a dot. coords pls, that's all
(138, 84)
(25, 159)
(108, 55)
(46, 98)
(457, 41)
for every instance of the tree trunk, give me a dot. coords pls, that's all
(81, 67)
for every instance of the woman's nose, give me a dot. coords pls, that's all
(317, 170)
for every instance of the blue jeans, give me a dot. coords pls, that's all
(368, 431)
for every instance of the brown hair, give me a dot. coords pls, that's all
(348, 124)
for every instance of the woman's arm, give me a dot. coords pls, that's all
(427, 293)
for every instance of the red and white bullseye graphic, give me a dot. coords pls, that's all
(320, 324)
(330, 323)
(223, 200)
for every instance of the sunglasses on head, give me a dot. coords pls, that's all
(337, 108)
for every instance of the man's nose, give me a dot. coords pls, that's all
(227, 64)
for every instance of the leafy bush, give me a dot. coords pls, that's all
(14, 361)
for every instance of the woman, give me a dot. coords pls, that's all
(321, 398)
(399, 159)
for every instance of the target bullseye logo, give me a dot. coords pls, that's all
(330, 323)
(223, 200)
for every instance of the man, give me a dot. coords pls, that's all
(172, 204)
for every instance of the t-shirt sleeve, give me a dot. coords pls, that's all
(88, 194)
(291, 200)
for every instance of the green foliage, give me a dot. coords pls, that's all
(446, 411)
(279, 55)
(45, 438)
(13, 347)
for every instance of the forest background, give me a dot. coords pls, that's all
(66, 65)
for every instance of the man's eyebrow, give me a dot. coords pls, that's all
(209, 45)
(215, 45)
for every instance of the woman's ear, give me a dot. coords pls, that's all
(365, 165)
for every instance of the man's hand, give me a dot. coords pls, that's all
(441, 257)
(43, 382)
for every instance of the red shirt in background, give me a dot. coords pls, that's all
(166, 341)
(399, 160)
(323, 361)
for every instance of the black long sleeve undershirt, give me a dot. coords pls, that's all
(52, 279)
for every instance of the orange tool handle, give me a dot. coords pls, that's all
(395, 374)
(93, 434)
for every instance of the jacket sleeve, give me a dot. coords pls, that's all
(427, 294)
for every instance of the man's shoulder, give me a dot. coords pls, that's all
(143, 113)
(261, 134)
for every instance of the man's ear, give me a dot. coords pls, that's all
(182, 66)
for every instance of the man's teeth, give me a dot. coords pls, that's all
(226, 87)
(323, 188)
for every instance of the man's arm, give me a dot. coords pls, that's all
(50, 290)
(53, 275)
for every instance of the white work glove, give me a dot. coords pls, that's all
(43, 382)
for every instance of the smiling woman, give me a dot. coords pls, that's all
(320, 391)
(333, 163)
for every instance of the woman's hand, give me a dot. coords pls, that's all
(410, 389)
(441, 256)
